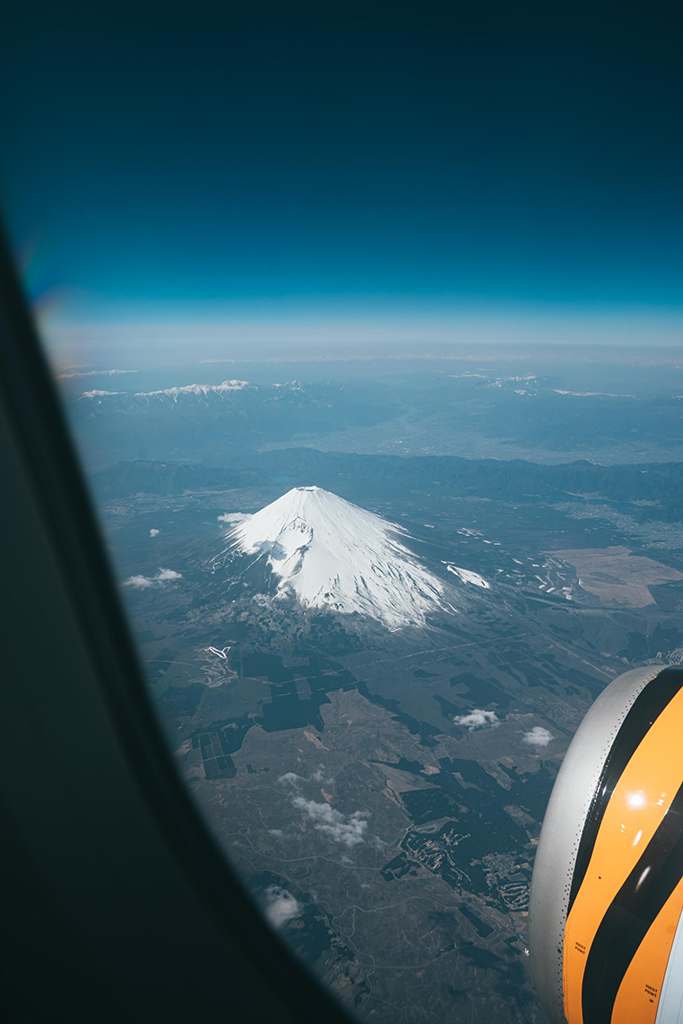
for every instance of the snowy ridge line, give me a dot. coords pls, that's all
(467, 576)
(227, 387)
(197, 389)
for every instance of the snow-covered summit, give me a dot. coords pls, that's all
(175, 393)
(333, 554)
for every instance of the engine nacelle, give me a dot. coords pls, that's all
(605, 931)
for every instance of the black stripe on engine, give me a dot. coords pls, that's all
(647, 707)
(631, 914)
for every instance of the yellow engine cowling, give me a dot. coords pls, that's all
(607, 889)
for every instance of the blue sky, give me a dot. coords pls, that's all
(334, 165)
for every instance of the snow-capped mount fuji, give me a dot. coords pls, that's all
(333, 555)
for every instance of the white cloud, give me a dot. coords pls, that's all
(168, 574)
(281, 907)
(233, 517)
(538, 737)
(154, 533)
(477, 719)
(138, 581)
(346, 829)
(290, 778)
(163, 576)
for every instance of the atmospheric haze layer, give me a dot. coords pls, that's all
(333, 555)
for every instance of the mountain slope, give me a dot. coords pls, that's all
(332, 554)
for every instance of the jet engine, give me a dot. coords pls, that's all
(605, 929)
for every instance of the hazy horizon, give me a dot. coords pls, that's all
(328, 181)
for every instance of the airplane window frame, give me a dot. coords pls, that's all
(83, 651)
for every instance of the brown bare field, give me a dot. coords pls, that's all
(618, 577)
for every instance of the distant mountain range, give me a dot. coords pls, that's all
(201, 421)
(660, 483)
(468, 414)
